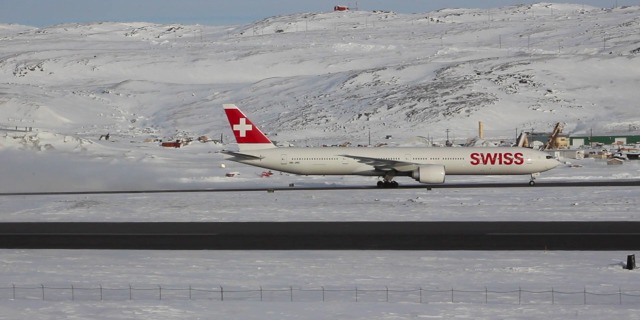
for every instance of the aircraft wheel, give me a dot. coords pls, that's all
(387, 184)
(532, 183)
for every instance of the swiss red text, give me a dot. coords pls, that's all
(501, 158)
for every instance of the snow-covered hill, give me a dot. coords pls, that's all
(312, 78)
(318, 78)
(332, 74)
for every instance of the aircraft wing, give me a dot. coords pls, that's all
(385, 164)
(240, 155)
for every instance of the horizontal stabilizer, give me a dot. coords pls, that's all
(242, 156)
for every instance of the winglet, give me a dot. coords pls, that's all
(247, 135)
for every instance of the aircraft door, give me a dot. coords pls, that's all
(284, 160)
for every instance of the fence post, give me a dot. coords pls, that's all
(189, 292)
(101, 292)
(356, 294)
(14, 291)
(291, 293)
(420, 295)
(130, 293)
(387, 293)
(42, 285)
(261, 293)
(221, 293)
(160, 292)
(72, 294)
(519, 295)
(451, 295)
(553, 299)
(486, 296)
(620, 294)
(585, 296)
(322, 294)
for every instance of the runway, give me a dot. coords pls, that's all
(395, 235)
(565, 184)
(329, 235)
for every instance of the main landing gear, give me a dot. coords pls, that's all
(532, 182)
(387, 181)
(387, 184)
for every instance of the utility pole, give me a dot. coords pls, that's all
(448, 143)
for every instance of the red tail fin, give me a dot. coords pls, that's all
(248, 136)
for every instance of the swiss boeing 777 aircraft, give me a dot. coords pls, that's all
(426, 165)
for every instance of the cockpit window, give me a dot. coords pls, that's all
(549, 157)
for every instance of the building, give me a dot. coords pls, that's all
(578, 141)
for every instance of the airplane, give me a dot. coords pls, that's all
(425, 165)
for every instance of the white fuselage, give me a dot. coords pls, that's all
(456, 161)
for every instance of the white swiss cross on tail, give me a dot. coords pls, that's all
(248, 136)
(242, 127)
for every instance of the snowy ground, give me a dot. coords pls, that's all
(167, 275)
(310, 79)
(522, 204)
(501, 274)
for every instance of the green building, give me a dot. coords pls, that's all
(577, 141)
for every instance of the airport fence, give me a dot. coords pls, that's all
(517, 296)
(15, 128)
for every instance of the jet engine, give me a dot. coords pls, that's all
(430, 173)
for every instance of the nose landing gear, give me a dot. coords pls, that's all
(532, 182)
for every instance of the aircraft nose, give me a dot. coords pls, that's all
(552, 163)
